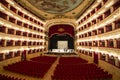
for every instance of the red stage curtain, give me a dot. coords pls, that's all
(61, 29)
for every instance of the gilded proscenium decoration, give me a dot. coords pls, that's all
(60, 29)
(55, 6)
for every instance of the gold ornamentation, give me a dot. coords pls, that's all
(60, 29)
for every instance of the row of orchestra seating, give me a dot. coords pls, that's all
(80, 72)
(68, 68)
(36, 68)
(44, 59)
(74, 68)
(29, 68)
(71, 60)
(5, 77)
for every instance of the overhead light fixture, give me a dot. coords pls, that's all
(89, 11)
(1, 7)
(114, 16)
(17, 18)
(99, 1)
(10, 1)
(25, 12)
(109, 4)
(95, 15)
(9, 13)
(1, 23)
(118, 57)
(18, 8)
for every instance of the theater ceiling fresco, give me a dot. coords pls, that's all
(56, 6)
(52, 9)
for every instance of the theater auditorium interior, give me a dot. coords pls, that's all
(59, 39)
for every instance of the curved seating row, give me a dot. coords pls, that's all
(5, 77)
(37, 67)
(44, 59)
(71, 60)
(74, 68)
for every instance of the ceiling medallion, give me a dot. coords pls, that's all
(55, 6)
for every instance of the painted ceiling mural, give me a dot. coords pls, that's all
(55, 6)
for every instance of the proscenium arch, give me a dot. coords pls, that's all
(66, 35)
(47, 26)
(52, 22)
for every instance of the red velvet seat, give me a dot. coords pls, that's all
(76, 71)
(36, 68)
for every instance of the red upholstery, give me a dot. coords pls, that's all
(5, 77)
(80, 72)
(36, 68)
(71, 68)
(71, 60)
(44, 59)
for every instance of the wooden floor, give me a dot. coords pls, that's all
(47, 76)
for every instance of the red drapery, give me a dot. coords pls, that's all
(61, 29)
